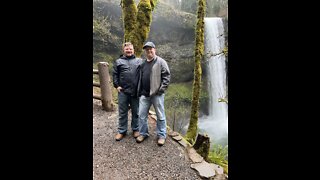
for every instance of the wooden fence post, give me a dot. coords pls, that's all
(106, 93)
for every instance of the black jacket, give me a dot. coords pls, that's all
(126, 73)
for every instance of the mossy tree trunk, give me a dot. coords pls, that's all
(129, 15)
(202, 146)
(137, 22)
(142, 28)
(199, 49)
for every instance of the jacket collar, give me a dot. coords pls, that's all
(125, 57)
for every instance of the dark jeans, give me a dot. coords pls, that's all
(124, 101)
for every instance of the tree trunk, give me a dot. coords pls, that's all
(202, 146)
(137, 22)
(141, 31)
(199, 49)
(105, 87)
(129, 15)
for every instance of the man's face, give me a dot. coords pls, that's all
(150, 52)
(128, 50)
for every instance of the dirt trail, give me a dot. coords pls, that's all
(126, 159)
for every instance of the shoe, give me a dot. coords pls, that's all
(119, 136)
(135, 134)
(161, 141)
(141, 138)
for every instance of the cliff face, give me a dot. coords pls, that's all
(172, 31)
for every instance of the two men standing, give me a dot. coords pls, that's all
(143, 81)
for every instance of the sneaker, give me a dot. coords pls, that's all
(161, 141)
(141, 138)
(135, 134)
(119, 136)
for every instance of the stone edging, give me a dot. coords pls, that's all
(203, 168)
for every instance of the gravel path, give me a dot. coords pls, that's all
(126, 159)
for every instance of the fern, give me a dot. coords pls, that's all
(219, 155)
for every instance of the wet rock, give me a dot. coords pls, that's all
(204, 169)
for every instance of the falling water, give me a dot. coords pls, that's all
(179, 6)
(216, 123)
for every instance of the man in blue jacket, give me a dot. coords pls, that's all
(126, 73)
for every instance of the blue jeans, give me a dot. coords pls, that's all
(158, 103)
(124, 101)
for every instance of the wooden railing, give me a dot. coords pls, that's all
(106, 94)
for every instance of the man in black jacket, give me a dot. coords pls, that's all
(126, 72)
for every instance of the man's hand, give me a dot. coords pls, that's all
(119, 89)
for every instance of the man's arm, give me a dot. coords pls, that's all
(165, 76)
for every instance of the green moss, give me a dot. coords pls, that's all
(129, 13)
(137, 21)
(141, 32)
(153, 4)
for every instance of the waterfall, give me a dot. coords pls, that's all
(179, 4)
(216, 123)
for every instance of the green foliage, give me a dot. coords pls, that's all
(180, 74)
(104, 40)
(102, 57)
(177, 117)
(101, 28)
(101, 33)
(178, 103)
(219, 155)
(179, 92)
